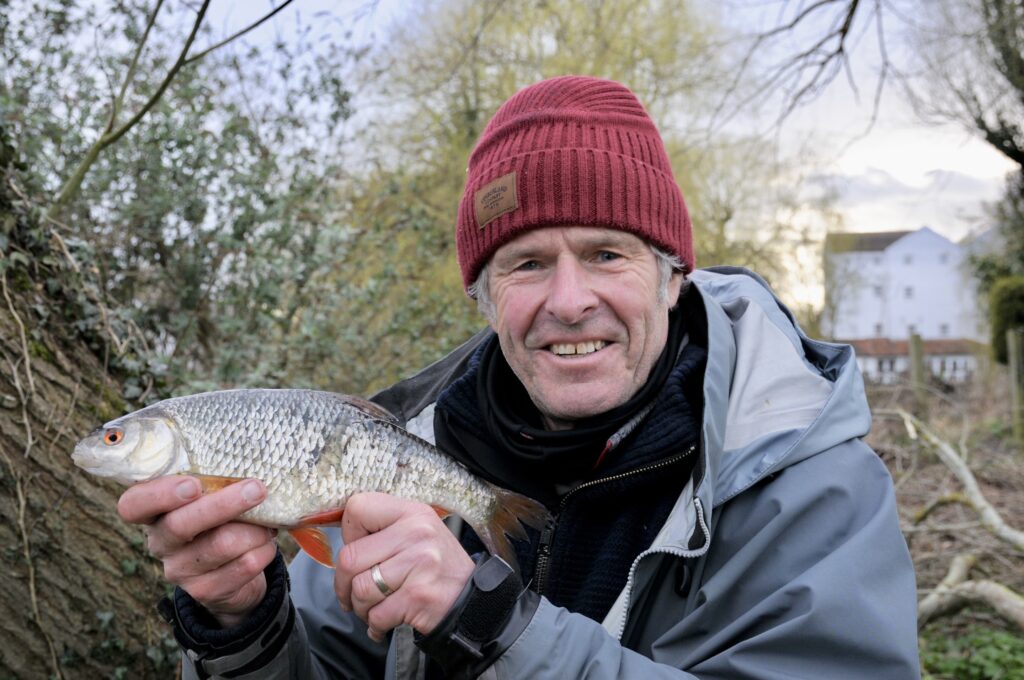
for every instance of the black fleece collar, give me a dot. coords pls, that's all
(486, 420)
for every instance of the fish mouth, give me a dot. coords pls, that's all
(85, 460)
(583, 348)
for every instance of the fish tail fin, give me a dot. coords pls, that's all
(511, 511)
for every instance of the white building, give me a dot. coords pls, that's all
(881, 288)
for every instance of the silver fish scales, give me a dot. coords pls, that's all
(313, 450)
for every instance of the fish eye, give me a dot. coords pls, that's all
(113, 436)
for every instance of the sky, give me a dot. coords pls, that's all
(903, 174)
(899, 173)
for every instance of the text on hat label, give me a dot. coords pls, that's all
(495, 198)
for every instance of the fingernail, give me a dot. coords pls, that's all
(252, 492)
(187, 490)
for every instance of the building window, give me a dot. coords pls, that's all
(944, 258)
(943, 329)
(908, 292)
(908, 259)
(878, 291)
(878, 330)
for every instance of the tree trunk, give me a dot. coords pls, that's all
(77, 590)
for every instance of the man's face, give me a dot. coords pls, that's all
(578, 317)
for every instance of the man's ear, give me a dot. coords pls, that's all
(675, 286)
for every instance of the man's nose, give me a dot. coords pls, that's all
(571, 296)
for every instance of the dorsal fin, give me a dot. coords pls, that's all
(375, 411)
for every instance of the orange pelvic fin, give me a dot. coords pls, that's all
(441, 512)
(211, 483)
(314, 542)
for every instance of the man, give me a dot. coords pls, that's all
(714, 513)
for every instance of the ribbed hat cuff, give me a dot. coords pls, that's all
(575, 186)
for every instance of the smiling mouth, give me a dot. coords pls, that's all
(563, 349)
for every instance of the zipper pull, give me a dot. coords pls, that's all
(544, 554)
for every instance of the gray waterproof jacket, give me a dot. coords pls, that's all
(782, 558)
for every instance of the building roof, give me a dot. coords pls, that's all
(884, 347)
(851, 242)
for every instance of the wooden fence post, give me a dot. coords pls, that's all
(1015, 352)
(918, 376)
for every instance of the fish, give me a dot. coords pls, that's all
(312, 450)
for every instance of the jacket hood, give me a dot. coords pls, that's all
(772, 396)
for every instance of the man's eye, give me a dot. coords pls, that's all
(528, 266)
(607, 256)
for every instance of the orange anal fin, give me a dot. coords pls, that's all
(441, 512)
(325, 518)
(314, 542)
(211, 483)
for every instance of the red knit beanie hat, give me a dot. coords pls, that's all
(572, 150)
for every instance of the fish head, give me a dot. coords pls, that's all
(132, 449)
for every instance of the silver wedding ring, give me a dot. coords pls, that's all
(378, 578)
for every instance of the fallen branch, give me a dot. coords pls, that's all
(940, 528)
(946, 499)
(955, 592)
(990, 517)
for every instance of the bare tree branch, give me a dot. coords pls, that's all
(107, 140)
(113, 132)
(115, 109)
(805, 74)
(239, 34)
(954, 593)
(990, 517)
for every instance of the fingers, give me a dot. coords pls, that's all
(225, 589)
(366, 594)
(143, 503)
(214, 549)
(179, 526)
(368, 513)
(216, 559)
(377, 527)
(420, 560)
(424, 597)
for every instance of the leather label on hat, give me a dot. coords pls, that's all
(495, 198)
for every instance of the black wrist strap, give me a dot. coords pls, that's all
(487, 617)
(239, 649)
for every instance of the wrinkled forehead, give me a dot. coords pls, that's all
(577, 238)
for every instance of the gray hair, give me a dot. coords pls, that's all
(668, 264)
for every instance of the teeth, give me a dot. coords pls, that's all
(563, 349)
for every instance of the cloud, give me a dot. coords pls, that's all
(949, 201)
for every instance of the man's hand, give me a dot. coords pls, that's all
(420, 560)
(219, 562)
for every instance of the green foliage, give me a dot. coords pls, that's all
(980, 654)
(186, 252)
(254, 229)
(445, 69)
(1006, 307)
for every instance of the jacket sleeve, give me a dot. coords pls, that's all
(807, 576)
(307, 637)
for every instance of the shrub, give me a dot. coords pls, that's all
(980, 654)
(1007, 311)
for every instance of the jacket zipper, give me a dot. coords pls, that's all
(548, 534)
